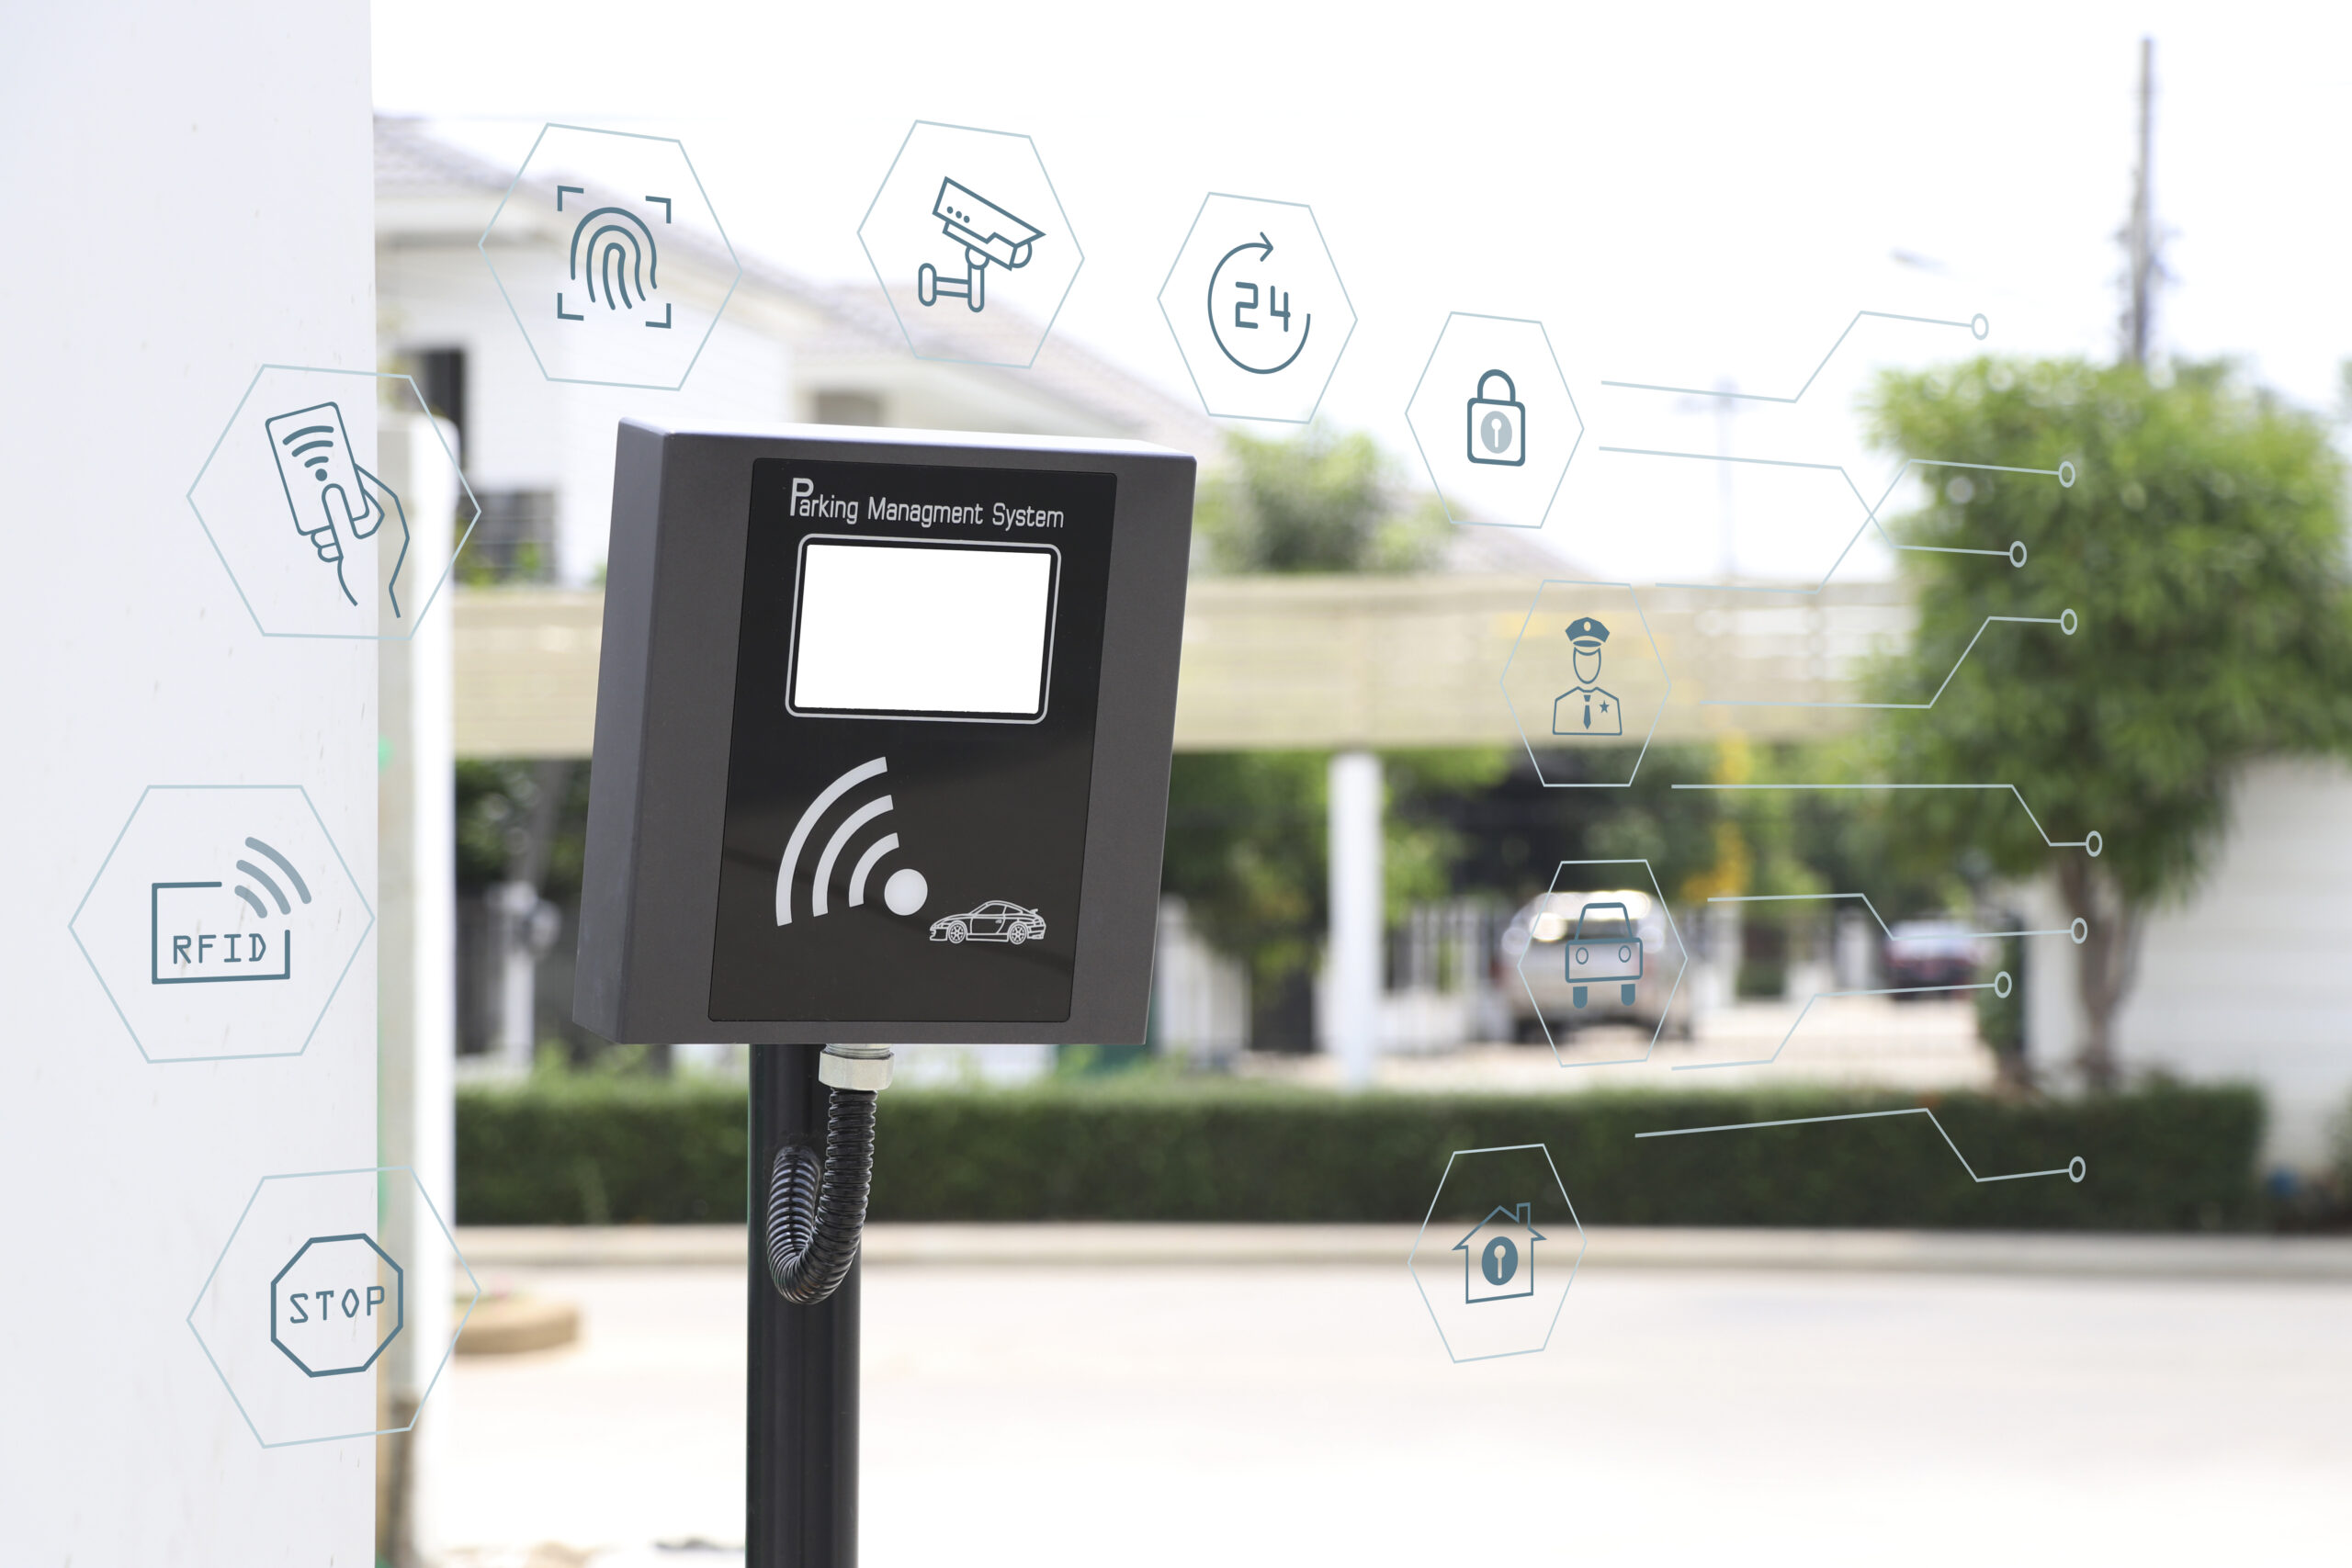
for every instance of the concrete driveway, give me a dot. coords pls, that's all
(1858, 1400)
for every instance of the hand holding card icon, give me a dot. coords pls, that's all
(327, 491)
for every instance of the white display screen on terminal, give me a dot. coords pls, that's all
(897, 627)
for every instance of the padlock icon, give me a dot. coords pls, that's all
(1498, 425)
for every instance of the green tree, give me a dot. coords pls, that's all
(2202, 547)
(1246, 845)
(1316, 502)
(502, 805)
(1246, 832)
(1245, 851)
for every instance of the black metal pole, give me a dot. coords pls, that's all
(800, 1501)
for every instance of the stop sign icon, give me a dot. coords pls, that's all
(336, 1305)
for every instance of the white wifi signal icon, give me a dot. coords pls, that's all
(905, 890)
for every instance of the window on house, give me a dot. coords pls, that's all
(513, 541)
(441, 382)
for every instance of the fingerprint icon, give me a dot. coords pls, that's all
(906, 888)
(613, 257)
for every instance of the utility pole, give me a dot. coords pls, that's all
(2139, 236)
(527, 925)
(1726, 407)
(1726, 540)
(1353, 962)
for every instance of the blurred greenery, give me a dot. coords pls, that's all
(2340, 1147)
(2000, 1021)
(2202, 546)
(530, 562)
(1247, 840)
(1316, 502)
(1247, 832)
(494, 803)
(567, 1149)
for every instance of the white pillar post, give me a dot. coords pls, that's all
(417, 964)
(131, 659)
(1352, 966)
(2053, 1017)
(1727, 940)
(517, 905)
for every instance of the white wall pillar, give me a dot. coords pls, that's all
(242, 132)
(416, 961)
(2054, 1009)
(1353, 965)
(1716, 979)
(2244, 981)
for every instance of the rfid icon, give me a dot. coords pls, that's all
(222, 922)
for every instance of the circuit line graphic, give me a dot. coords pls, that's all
(1999, 986)
(1975, 324)
(2063, 473)
(2073, 1169)
(2079, 930)
(2090, 840)
(2065, 623)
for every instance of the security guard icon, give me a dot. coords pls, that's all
(1498, 425)
(1584, 708)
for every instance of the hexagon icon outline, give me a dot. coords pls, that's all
(1437, 482)
(734, 261)
(359, 943)
(1518, 967)
(399, 1304)
(1329, 262)
(468, 510)
(1577, 1263)
(473, 1283)
(1053, 194)
(1503, 681)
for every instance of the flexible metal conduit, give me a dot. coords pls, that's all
(817, 1204)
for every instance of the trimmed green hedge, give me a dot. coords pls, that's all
(622, 1149)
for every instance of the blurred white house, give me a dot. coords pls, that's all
(2249, 978)
(2244, 981)
(539, 454)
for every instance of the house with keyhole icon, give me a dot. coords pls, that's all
(1498, 1256)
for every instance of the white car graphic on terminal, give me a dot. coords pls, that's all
(996, 921)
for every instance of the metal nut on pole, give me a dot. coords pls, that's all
(866, 1067)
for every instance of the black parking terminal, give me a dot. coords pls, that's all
(883, 729)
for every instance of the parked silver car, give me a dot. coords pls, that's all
(1626, 970)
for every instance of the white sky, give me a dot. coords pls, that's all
(1683, 194)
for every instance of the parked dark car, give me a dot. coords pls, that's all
(1931, 952)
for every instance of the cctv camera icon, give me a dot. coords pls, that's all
(988, 233)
